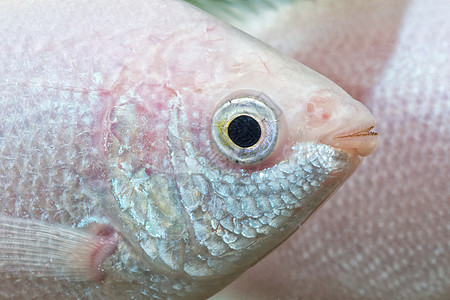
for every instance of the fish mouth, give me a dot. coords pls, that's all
(363, 140)
(364, 132)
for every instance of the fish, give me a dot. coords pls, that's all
(385, 234)
(151, 151)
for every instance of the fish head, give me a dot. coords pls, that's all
(217, 159)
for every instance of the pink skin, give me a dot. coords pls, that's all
(105, 245)
(385, 234)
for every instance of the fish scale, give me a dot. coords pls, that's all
(60, 183)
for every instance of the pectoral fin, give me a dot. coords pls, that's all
(34, 248)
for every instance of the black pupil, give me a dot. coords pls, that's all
(244, 131)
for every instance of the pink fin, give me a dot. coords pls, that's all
(31, 248)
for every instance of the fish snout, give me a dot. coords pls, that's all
(354, 126)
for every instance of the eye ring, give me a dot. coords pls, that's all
(245, 127)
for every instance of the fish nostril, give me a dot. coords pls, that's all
(325, 116)
(317, 111)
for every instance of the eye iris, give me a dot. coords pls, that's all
(244, 131)
(244, 128)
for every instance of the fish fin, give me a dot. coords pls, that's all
(230, 10)
(32, 248)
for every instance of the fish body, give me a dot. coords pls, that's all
(122, 170)
(385, 234)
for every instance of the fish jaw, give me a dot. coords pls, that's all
(364, 141)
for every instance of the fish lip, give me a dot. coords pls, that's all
(355, 133)
(360, 139)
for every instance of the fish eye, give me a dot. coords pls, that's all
(245, 127)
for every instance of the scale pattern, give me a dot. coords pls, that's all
(46, 153)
